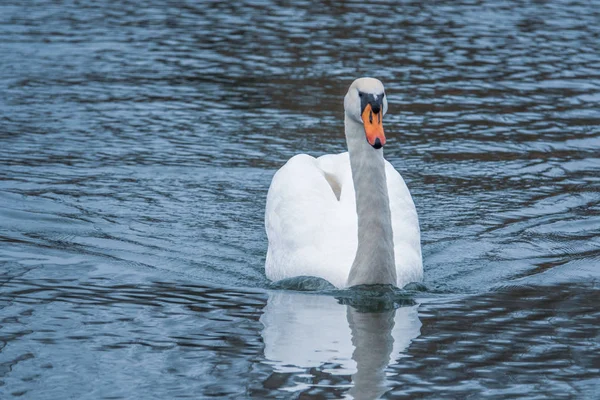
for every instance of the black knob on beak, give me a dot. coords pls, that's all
(376, 102)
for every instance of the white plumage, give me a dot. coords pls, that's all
(311, 214)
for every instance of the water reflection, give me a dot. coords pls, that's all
(314, 334)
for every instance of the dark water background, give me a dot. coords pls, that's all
(137, 144)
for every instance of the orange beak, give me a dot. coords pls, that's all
(373, 127)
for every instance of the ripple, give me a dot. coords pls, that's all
(137, 145)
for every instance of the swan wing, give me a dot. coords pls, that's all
(405, 226)
(311, 230)
(311, 221)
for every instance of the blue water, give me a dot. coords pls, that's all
(137, 144)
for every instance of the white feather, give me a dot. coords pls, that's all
(311, 214)
(312, 233)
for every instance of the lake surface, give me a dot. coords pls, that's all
(137, 145)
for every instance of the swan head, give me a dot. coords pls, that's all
(366, 104)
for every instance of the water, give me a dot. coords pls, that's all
(137, 144)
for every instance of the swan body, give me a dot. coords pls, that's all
(348, 218)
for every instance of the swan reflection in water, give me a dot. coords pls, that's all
(303, 331)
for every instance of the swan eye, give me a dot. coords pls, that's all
(360, 94)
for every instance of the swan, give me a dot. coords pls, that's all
(347, 218)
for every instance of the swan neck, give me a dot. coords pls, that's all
(374, 262)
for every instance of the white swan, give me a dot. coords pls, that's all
(347, 218)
